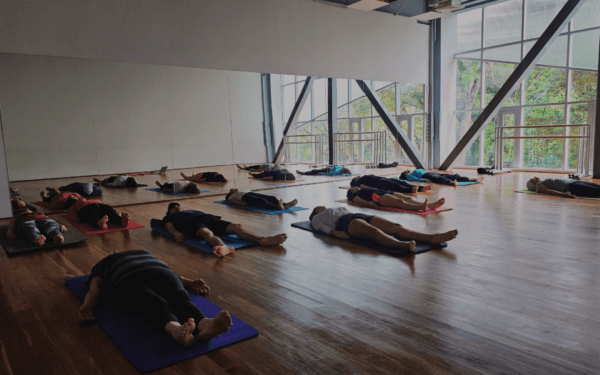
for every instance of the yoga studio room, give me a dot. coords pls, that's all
(299, 187)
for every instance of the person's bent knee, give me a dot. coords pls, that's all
(204, 233)
(235, 227)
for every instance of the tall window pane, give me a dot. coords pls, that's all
(469, 30)
(587, 16)
(355, 91)
(510, 53)
(464, 120)
(556, 54)
(286, 78)
(388, 97)
(468, 85)
(579, 115)
(320, 94)
(342, 92)
(305, 114)
(539, 14)
(360, 108)
(546, 85)
(583, 85)
(584, 48)
(412, 97)
(544, 153)
(503, 23)
(289, 99)
(496, 75)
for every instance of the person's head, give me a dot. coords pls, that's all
(345, 170)
(174, 207)
(130, 182)
(27, 211)
(350, 193)
(17, 203)
(531, 183)
(70, 201)
(231, 192)
(192, 188)
(354, 181)
(220, 178)
(316, 211)
(404, 174)
(290, 177)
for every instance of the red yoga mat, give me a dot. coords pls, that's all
(87, 229)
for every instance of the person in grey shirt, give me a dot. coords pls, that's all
(564, 188)
(341, 223)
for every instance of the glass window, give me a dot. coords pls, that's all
(488, 139)
(320, 95)
(469, 30)
(286, 78)
(496, 75)
(355, 91)
(583, 85)
(503, 23)
(509, 53)
(539, 14)
(464, 120)
(360, 108)
(544, 153)
(472, 55)
(546, 85)
(468, 85)
(579, 115)
(305, 114)
(418, 135)
(390, 144)
(556, 54)
(342, 111)
(289, 100)
(342, 92)
(412, 97)
(587, 16)
(388, 97)
(585, 49)
(320, 127)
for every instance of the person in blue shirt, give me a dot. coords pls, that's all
(421, 175)
(336, 170)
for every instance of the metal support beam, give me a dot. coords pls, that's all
(436, 89)
(308, 84)
(596, 132)
(389, 120)
(332, 115)
(512, 83)
(269, 133)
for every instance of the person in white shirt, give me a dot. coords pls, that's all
(179, 187)
(247, 198)
(341, 223)
(118, 181)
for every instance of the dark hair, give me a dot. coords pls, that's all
(171, 205)
(69, 202)
(354, 181)
(403, 175)
(313, 214)
(350, 195)
(130, 182)
(227, 196)
(192, 188)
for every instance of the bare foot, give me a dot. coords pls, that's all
(273, 240)
(182, 333)
(437, 204)
(58, 239)
(221, 251)
(125, 219)
(409, 245)
(479, 179)
(455, 183)
(280, 204)
(103, 223)
(210, 328)
(40, 241)
(290, 204)
(424, 206)
(443, 237)
(427, 187)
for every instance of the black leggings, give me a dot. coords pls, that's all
(257, 166)
(261, 201)
(397, 186)
(445, 179)
(93, 213)
(584, 189)
(315, 172)
(156, 295)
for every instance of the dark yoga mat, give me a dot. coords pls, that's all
(263, 210)
(149, 350)
(551, 196)
(158, 190)
(20, 246)
(230, 240)
(421, 246)
(120, 187)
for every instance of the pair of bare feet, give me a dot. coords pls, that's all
(208, 328)
(224, 250)
(285, 206)
(103, 223)
(57, 240)
(435, 205)
(436, 239)
(424, 188)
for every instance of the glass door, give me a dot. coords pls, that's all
(511, 148)
(407, 124)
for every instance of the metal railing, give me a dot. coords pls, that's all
(343, 146)
(316, 139)
(583, 147)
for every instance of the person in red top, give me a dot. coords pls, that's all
(96, 214)
(56, 200)
(35, 228)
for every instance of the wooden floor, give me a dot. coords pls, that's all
(518, 292)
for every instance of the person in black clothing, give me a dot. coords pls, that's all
(390, 165)
(205, 177)
(394, 185)
(277, 175)
(85, 189)
(247, 198)
(421, 175)
(336, 170)
(138, 283)
(374, 198)
(197, 224)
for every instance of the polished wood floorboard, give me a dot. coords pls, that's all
(517, 292)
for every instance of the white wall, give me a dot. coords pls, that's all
(268, 36)
(67, 117)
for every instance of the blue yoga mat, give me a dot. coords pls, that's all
(149, 350)
(158, 190)
(467, 183)
(230, 240)
(262, 210)
(459, 183)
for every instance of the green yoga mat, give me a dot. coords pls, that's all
(548, 195)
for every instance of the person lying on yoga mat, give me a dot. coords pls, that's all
(85, 189)
(336, 170)
(17, 203)
(56, 200)
(179, 187)
(96, 214)
(374, 198)
(561, 187)
(259, 167)
(205, 177)
(394, 185)
(247, 198)
(341, 223)
(118, 181)
(197, 224)
(138, 283)
(36, 228)
(421, 175)
(278, 175)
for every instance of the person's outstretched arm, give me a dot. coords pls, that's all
(179, 237)
(545, 190)
(362, 202)
(237, 202)
(86, 310)
(198, 286)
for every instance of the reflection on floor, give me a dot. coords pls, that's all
(515, 293)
